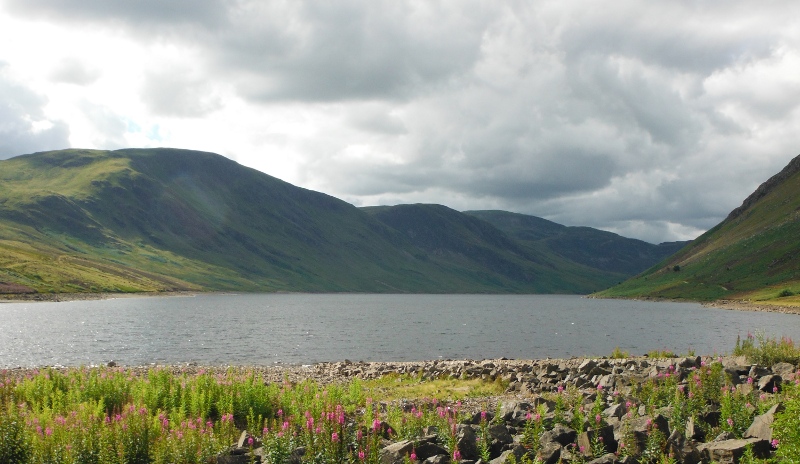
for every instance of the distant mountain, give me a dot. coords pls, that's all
(754, 254)
(598, 249)
(166, 219)
(446, 235)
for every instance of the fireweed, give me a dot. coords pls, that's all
(104, 415)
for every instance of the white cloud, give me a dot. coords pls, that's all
(649, 119)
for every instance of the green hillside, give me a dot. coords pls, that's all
(754, 254)
(597, 249)
(165, 219)
(446, 235)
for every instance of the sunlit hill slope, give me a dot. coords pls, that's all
(165, 219)
(754, 254)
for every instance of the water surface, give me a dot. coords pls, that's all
(263, 329)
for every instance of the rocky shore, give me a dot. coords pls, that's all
(625, 425)
(615, 381)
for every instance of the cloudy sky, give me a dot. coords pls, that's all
(650, 119)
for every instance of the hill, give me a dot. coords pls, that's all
(164, 219)
(448, 235)
(754, 254)
(598, 249)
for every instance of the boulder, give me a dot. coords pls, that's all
(549, 453)
(783, 369)
(518, 452)
(770, 383)
(560, 434)
(729, 451)
(395, 453)
(466, 442)
(609, 458)
(762, 425)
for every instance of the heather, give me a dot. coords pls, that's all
(160, 415)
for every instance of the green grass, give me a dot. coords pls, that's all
(163, 219)
(767, 351)
(750, 256)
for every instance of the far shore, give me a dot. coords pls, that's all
(734, 305)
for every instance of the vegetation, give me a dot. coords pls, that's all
(767, 351)
(163, 219)
(752, 255)
(115, 415)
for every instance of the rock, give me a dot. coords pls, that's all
(783, 369)
(638, 429)
(693, 431)
(729, 451)
(587, 366)
(609, 458)
(500, 437)
(682, 449)
(440, 459)
(518, 452)
(606, 433)
(616, 410)
(396, 452)
(560, 434)
(233, 459)
(427, 449)
(515, 412)
(770, 383)
(762, 425)
(466, 442)
(549, 453)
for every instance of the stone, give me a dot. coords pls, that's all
(233, 459)
(466, 442)
(587, 366)
(609, 458)
(586, 439)
(616, 410)
(549, 453)
(515, 412)
(426, 449)
(518, 452)
(440, 459)
(770, 383)
(783, 369)
(762, 425)
(729, 451)
(560, 434)
(396, 452)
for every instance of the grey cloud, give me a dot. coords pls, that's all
(133, 14)
(174, 93)
(74, 71)
(23, 125)
(349, 50)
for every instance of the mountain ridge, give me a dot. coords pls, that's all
(135, 220)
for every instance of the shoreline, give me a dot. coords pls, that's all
(731, 305)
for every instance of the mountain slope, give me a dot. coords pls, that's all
(753, 254)
(446, 235)
(598, 249)
(165, 219)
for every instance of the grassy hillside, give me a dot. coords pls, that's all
(446, 235)
(165, 219)
(590, 247)
(754, 254)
